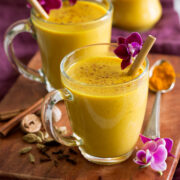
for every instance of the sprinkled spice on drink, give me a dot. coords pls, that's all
(102, 70)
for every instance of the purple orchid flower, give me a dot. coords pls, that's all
(49, 4)
(52, 4)
(128, 47)
(154, 153)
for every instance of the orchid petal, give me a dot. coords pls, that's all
(125, 63)
(121, 40)
(161, 141)
(134, 48)
(72, 2)
(160, 155)
(141, 154)
(52, 4)
(169, 144)
(148, 156)
(159, 167)
(42, 2)
(122, 52)
(134, 37)
(171, 155)
(144, 139)
(151, 145)
(143, 157)
(139, 162)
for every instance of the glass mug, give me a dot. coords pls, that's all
(106, 119)
(57, 40)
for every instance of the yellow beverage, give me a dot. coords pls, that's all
(69, 28)
(136, 15)
(108, 107)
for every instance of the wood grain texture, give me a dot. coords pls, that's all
(12, 166)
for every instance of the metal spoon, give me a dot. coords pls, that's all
(153, 128)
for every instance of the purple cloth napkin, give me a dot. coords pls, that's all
(167, 31)
(25, 46)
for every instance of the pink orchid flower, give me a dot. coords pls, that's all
(128, 47)
(52, 4)
(154, 153)
(169, 143)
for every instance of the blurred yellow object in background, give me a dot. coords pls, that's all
(136, 15)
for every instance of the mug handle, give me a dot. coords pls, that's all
(15, 29)
(46, 115)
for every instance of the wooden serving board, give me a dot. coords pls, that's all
(12, 166)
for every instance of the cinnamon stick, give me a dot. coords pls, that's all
(7, 127)
(9, 114)
(36, 5)
(142, 54)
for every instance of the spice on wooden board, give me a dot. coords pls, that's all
(71, 161)
(31, 158)
(40, 146)
(58, 152)
(41, 135)
(72, 151)
(163, 76)
(44, 154)
(31, 123)
(62, 156)
(51, 143)
(43, 144)
(25, 150)
(42, 160)
(32, 138)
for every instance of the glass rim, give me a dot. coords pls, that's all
(64, 74)
(109, 11)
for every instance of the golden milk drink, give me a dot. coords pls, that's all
(108, 106)
(69, 28)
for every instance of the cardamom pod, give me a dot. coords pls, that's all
(39, 140)
(41, 135)
(31, 138)
(31, 158)
(40, 146)
(25, 150)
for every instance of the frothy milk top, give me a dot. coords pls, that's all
(100, 71)
(82, 11)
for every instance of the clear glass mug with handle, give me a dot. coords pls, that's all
(55, 40)
(106, 119)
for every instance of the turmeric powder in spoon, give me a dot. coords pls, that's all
(163, 76)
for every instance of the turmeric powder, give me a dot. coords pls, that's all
(163, 76)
